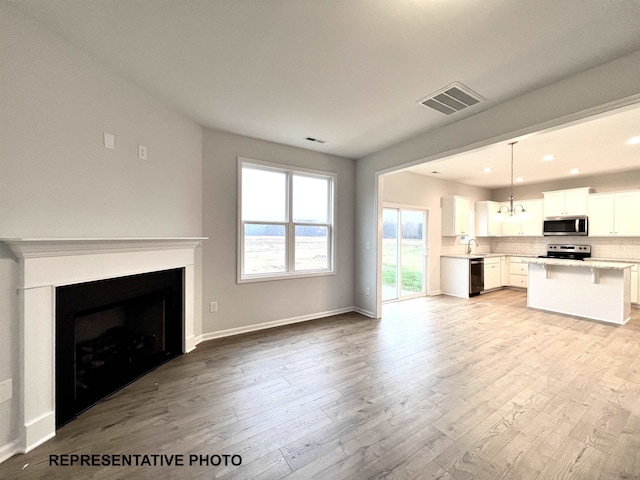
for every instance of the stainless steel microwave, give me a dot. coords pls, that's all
(576, 226)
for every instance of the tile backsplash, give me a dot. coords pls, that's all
(623, 248)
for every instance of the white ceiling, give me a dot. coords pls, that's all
(346, 71)
(593, 146)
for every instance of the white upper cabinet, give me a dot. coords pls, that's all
(614, 214)
(601, 207)
(486, 225)
(527, 228)
(456, 216)
(627, 218)
(566, 202)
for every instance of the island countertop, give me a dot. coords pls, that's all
(579, 263)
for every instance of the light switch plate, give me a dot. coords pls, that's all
(109, 141)
(142, 152)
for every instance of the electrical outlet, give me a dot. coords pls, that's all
(6, 390)
(213, 307)
(366, 291)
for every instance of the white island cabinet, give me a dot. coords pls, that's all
(591, 289)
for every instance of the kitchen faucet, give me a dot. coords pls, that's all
(469, 245)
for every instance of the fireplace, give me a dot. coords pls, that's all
(110, 332)
(49, 266)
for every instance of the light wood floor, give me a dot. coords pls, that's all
(440, 388)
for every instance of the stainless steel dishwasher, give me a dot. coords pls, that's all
(476, 276)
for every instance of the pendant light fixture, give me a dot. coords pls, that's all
(512, 213)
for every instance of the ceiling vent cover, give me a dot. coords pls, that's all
(451, 99)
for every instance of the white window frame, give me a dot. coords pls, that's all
(289, 224)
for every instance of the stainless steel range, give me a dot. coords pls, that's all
(567, 251)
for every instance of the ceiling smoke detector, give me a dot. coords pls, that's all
(451, 99)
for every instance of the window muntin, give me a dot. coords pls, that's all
(286, 221)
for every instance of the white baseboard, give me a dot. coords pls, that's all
(276, 323)
(433, 293)
(190, 343)
(9, 450)
(361, 311)
(39, 430)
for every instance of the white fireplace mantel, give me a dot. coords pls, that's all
(47, 263)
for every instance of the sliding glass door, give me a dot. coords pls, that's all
(403, 253)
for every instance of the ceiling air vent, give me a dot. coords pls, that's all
(451, 99)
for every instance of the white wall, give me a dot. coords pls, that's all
(543, 108)
(57, 179)
(420, 190)
(252, 303)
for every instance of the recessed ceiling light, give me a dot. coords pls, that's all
(548, 158)
(633, 141)
(519, 180)
(316, 140)
(574, 171)
(487, 170)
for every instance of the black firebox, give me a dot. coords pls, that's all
(110, 332)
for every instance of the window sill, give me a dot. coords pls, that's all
(284, 276)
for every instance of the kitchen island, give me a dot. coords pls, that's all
(592, 289)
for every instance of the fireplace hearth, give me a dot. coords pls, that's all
(110, 332)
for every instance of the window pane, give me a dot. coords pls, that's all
(389, 254)
(264, 249)
(310, 199)
(264, 195)
(412, 251)
(312, 248)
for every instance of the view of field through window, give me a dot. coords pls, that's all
(286, 220)
(266, 253)
(409, 252)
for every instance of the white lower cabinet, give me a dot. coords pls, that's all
(518, 272)
(504, 271)
(454, 276)
(492, 276)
